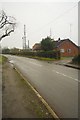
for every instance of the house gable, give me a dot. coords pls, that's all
(67, 47)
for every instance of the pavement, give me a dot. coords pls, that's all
(67, 63)
(72, 66)
(19, 100)
(0, 91)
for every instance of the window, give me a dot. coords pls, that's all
(62, 50)
(69, 50)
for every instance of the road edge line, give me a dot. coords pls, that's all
(39, 96)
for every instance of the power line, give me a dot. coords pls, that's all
(57, 18)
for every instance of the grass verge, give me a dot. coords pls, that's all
(0, 59)
(43, 58)
(3, 59)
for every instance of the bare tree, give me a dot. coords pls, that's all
(7, 25)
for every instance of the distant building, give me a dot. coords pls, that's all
(66, 47)
(36, 47)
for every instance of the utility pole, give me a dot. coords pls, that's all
(28, 44)
(70, 30)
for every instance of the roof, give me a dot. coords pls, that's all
(37, 46)
(59, 42)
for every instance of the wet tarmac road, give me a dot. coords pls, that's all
(57, 84)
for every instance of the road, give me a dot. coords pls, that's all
(57, 84)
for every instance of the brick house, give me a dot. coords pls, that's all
(67, 48)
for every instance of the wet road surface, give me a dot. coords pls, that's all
(57, 84)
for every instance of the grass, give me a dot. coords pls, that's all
(0, 59)
(64, 58)
(3, 59)
(43, 58)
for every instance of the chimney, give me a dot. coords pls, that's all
(59, 39)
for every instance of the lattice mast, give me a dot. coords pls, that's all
(50, 33)
(24, 38)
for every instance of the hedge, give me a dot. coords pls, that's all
(49, 54)
(45, 54)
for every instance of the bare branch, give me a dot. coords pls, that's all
(1, 19)
(7, 24)
(6, 34)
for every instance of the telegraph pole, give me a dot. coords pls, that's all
(70, 30)
(28, 44)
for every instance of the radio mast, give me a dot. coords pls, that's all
(24, 38)
(50, 33)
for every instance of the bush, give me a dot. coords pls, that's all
(76, 60)
(5, 51)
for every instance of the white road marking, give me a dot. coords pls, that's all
(35, 64)
(66, 75)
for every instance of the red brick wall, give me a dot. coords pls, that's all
(68, 45)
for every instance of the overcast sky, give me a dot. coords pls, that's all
(39, 18)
